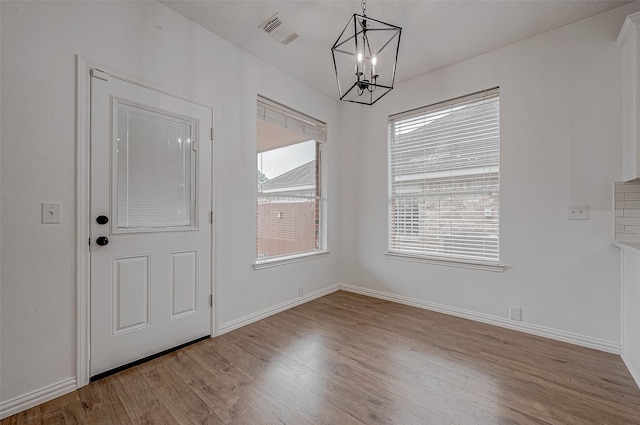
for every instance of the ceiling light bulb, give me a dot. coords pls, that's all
(374, 60)
(359, 56)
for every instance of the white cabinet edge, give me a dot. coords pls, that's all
(629, 22)
(631, 246)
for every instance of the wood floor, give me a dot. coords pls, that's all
(347, 359)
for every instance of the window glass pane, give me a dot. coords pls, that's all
(155, 172)
(444, 180)
(288, 201)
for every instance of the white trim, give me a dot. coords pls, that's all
(571, 338)
(446, 262)
(262, 314)
(622, 302)
(36, 397)
(279, 261)
(213, 266)
(126, 77)
(83, 259)
(632, 370)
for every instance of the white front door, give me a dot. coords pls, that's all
(150, 231)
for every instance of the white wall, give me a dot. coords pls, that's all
(560, 145)
(630, 311)
(154, 44)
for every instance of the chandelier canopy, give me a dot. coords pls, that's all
(364, 57)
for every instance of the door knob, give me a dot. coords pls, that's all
(102, 240)
(102, 219)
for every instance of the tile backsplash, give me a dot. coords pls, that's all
(627, 212)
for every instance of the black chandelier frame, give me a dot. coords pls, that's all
(364, 85)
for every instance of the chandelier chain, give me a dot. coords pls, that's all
(363, 4)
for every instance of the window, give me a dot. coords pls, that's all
(444, 180)
(289, 201)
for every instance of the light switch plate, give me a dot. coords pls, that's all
(578, 212)
(51, 213)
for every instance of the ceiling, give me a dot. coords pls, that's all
(435, 33)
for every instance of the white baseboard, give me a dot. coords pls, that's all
(259, 315)
(33, 398)
(632, 370)
(572, 338)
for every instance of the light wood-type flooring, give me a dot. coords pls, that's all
(347, 359)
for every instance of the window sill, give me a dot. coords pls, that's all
(445, 262)
(279, 261)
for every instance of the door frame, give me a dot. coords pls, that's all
(83, 217)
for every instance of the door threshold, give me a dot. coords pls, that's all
(144, 360)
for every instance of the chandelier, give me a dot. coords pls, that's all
(364, 57)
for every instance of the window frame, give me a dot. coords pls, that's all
(318, 129)
(394, 216)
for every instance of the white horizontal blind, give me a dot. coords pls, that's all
(444, 179)
(155, 177)
(274, 113)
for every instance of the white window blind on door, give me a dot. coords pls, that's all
(444, 162)
(155, 164)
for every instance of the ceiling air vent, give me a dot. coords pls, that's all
(278, 30)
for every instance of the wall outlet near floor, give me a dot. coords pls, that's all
(578, 212)
(300, 291)
(515, 313)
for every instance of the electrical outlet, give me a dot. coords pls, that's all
(300, 291)
(578, 212)
(50, 213)
(515, 313)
